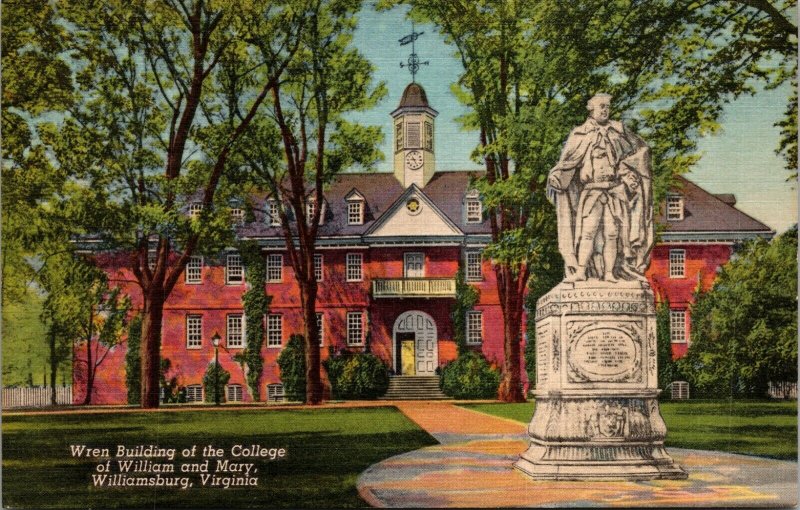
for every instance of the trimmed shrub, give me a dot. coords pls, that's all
(292, 362)
(470, 376)
(215, 373)
(357, 376)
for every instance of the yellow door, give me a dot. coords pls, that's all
(407, 357)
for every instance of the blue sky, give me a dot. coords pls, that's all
(740, 160)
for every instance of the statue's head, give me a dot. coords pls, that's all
(599, 107)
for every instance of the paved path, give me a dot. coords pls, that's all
(472, 468)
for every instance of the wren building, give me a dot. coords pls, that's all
(388, 249)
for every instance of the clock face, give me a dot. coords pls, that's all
(414, 160)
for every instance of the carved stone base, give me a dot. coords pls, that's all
(598, 438)
(597, 413)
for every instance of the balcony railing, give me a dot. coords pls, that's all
(414, 287)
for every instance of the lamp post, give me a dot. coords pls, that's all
(215, 341)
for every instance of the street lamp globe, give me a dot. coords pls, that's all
(215, 339)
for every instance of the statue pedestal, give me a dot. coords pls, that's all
(597, 413)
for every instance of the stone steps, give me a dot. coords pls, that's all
(414, 388)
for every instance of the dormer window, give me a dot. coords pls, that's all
(311, 207)
(237, 215)
(195, 210)
(355, 213)
(674, 208)
(273, 214)
(473, 207)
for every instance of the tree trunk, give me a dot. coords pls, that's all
(53, 366)
(152, 316)
(308, 293)
(87, 399)
(511, 299)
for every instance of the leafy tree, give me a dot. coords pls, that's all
(744, 330)
(154, 125)
(310, 114)
(550, 272)
(357, 375)
(84, 311)
(469, 376)
(529, 67)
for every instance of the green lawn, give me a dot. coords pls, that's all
(750, 427)
(327, 450)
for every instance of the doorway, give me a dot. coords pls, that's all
(420, 328)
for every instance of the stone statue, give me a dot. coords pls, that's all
(602, 190)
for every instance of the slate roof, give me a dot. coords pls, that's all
(414, 95)
(706, 212)
(380, 190)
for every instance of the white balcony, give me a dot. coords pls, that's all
(414, 287)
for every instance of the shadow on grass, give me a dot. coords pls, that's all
(326, 451)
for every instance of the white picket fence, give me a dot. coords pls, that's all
(783, 390)
(35, 396)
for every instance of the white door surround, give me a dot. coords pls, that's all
(426, 341)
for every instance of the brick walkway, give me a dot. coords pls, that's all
(472, 467)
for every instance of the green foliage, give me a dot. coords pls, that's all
(256, 305)
(744, 330)
(466, 298)
(357, 376)
(667, 368)
(214, 381)
(470, 376)
(292, 363)
(169, 386)
(551, 270)
(133, 361)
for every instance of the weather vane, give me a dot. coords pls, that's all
(413, 62)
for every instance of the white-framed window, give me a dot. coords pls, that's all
(194, 210)
(194, 331)
(237, 214)
(274, 330)
(194, 393)
(274, 268)
(677, 263)
(674, 207)
(194, 269)
(235, 337)
(233, 393)
(273, 214)
(474, 328)
(234, 270)
(321, 328)
(355, 212)
(414, 265)
(355, 328)
(474, 263)
(354, 267)
(311, 207)
(474, 210)
(318, 267)
(677, 326)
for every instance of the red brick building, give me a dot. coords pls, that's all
(697, 234)
(389, 247)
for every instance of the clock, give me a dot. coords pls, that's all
(414, 160)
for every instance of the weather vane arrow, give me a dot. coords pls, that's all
(413, 62)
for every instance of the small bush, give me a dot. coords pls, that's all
(357, 376)
(292, 362)
(215, 373)
(470, 376)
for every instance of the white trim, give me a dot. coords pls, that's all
(676, 267)
(406, 256)
(280, 330)
(319, 270)
(199, 338)
(360, 314)
(199, 279)
(242, 336)
(469, 334)
(271, 258)
(360, 265)
(228, 268)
